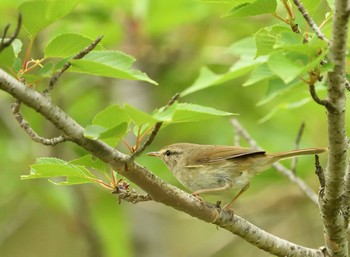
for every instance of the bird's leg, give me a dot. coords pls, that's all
(227, 206)
(228, 185)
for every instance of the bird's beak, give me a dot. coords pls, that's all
(156, 154)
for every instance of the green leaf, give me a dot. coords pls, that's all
(95, 132)
(256, 8)
(139, 117)
(284, 67)
(260, 73)
(39, 14)
(91, 162)
(9, 54)
(186, 112)
(111, 116)
(208, 78)
(110, 125)
(67, 45)
(277, 87)
(205, 79)
(112, 64)
(265, 39)
(285, 106)
(51, 168)
(290, 41)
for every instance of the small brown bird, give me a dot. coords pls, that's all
(214, 168)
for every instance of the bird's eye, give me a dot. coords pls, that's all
(167, 153)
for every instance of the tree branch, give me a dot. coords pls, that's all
(331, 205)
(5, 43)
(310, 21)
(154, 131)
(322, 102)
(79, 55)
(159, 190)
(32, 134)
(293, 165)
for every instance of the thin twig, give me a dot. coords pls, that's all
(310, 21)
(278, 166)
(33, 135)
(155, 130)
(297, 143)
(79, 55)
(347, 85)
(315, 97)
(5, 43)
(319, 172)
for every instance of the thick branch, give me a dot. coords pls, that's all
(331, 205)
(159, 190)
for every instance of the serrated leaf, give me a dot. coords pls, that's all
(260, 73)
(290, 41)
(284, 67)
(67, 45)
(139, 117)
(53, 168)
(205, 79)
(256, 8)
(109, 125)
(95, 132)
(9, 54)
(112, 64)
(208, 78)
(244, 48)
(265, 39)
(277, 87)
(111, 116)
(90, 162)
(186, 112)
(39, 14)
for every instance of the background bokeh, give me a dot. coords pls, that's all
(171, 40)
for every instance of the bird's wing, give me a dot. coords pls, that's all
(214, 154)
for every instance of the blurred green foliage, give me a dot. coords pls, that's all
(171, 41)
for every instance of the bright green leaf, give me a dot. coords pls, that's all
(284, 67)
(186, 112)
(112, 64)
(139, 117)
(260, 73)
(256, 8)
(208, 78)
(205, 79)
(90, 162)
(53, 167)
(9, 54)
(111, 116)
(94, 132)
(244, 48)
(67, 45)
(39, 14)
